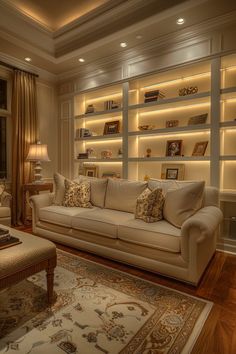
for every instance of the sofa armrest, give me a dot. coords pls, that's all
(203, 224)
(6, 199)
(39, 201)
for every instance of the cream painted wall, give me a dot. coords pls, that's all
(48, 125)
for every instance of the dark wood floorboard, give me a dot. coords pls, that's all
(218, 285)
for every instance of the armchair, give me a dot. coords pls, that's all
(5, 208)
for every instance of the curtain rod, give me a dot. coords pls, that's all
(15, 68)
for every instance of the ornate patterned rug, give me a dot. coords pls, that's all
(98, 310)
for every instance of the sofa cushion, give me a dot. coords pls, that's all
(182, 203)
(60, 215)
(149, 205)
(100, 221)
(59, 181)
(77, 194)
(160, 235)
(5, 212)
(98, 188)
(122, 194)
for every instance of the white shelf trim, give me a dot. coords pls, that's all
(114, 159)
(99, 113)
(170, 158)
(164, 101)
(228, 124)
(228, 157)
(170, 131)
(100, 137)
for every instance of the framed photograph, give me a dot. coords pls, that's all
(112, 127)
(174, 147)
(172, 123)
(200, 119)
(200, 148)
(90, 171)
(172, 171)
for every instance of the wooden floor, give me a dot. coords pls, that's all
(217, 285)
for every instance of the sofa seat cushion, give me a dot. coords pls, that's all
(5, 212)
(59, 215)
(101, 221)
(159, 235)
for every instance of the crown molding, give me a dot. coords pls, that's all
(43, 74)
(15, 11)
(159, 45)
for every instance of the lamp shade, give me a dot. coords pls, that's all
(38, 152)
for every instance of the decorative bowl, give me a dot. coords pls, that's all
(146, 127)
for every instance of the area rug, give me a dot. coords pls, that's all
(98, 310)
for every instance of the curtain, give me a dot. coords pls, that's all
(24, 132)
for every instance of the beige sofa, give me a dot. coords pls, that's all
(109, 228)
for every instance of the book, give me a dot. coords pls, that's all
(12, 241)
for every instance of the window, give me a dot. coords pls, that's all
(3, 150)
(3, 94)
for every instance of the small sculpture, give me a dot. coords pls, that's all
(148, 152)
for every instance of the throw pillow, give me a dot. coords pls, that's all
(2, 188)
(98, 187)
(149, 205)
(182, 203)
(77, 194)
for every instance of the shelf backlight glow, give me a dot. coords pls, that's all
(105, 141)
(104, 98)
(177, 81)
(173, 135)
(166, 110)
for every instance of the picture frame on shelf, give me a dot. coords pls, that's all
(90, 171)
(174, 147)
(172, 123)
(172, 171)
(200, 148)
(112, 127)
(199, 119)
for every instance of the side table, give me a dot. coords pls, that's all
(31, 189)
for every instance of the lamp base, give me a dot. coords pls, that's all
(37, 173)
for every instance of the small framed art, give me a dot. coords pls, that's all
(172, 171)
(90, 171)
(174, 147)
(200, 148)
(112, 127)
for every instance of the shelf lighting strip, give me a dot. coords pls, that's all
(112, 141)
(177, 81)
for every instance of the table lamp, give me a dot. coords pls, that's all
(38, 152)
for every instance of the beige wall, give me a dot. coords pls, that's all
(48, 125)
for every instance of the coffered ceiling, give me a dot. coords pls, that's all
(55, 34)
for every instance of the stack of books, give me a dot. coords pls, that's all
(6, 240)
(151, 96)
(111, 105)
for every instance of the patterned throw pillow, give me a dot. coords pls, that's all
(2, 188)
(77, 194)
(149, 205)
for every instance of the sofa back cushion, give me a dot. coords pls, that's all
(59, 181)
(122, 194)
(182, 203)
(211, 194)
(98, 188)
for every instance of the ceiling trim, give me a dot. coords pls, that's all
(186, 34)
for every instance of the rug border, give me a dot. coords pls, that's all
(187, 349)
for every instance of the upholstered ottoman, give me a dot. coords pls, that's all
(33, 255)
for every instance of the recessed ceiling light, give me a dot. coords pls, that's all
(139, 36)
(81, 60)
(123, 44)
(28, 59)
(180, 21)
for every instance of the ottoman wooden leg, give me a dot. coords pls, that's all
(50, 277)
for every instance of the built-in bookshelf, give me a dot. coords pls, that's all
(193, 106)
